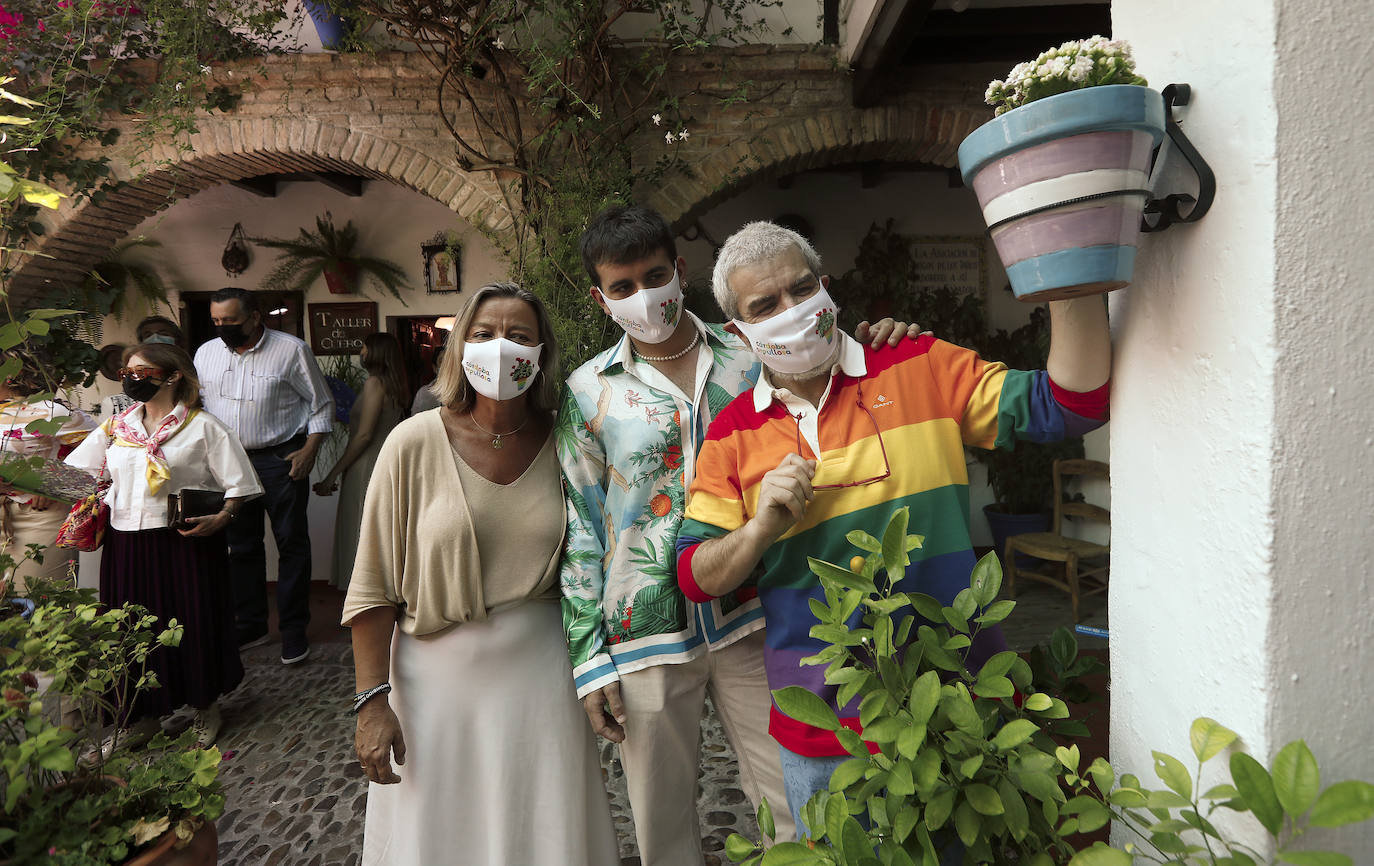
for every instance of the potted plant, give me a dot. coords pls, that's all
(952, 757)
(1062, 171)
(331, 252)
(71, 796)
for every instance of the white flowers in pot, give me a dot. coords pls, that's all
(1074, 65)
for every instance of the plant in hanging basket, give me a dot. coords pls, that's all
(333, 253)
(1062, 171)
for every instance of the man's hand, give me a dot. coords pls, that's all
(41, 503)
(325, 487)
(207, 525)
(378, 737)
(784, 494)
(887, 331)
(597, 703)
(302, 461)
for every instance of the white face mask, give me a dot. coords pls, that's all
(499, 369)
(797, 340)
(650, 315)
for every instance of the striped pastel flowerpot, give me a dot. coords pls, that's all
(1062, 182)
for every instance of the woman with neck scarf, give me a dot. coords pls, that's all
(162, 445)
(481, 754)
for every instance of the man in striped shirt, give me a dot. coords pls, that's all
(268, 389)
(835, 437)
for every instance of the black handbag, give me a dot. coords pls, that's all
(189, 502)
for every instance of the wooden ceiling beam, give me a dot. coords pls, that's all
(891, 28)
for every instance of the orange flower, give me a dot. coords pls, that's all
(660, 505)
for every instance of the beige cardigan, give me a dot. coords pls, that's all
(417, 550)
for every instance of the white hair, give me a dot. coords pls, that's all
(754, 243)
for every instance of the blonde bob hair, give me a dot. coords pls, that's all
(451, 385)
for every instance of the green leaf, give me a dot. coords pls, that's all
(926, 606)
(900, 782)
(854, 841)
(1014, 733)
(939, 808)
(737, 847)
(1209, 737)
(996, 612)
(1127, 798)
(925, 769)
(791, 854)
(848, 773)
(910, 739)
(925, 697)
(969, 766)
(1254, 784)
(967, 823)
(1068, 757)
(797, 703)
(907, 819)
(1348, 802)
(986, 580)
(965, 604)
(895, 558)
(1165, 800)
(1101, 855)
(994, 687)
(1221, 792)
(1039, 702)
(1315, 858)
(1063, 646)
(1171, 772)
(1296, 778)
(765, 818)
(984, 799)
(1017, 817)
(1103, 774)
(852, 743)
(833, 574)
(864, 541)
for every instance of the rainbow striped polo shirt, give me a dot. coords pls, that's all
(927, 399)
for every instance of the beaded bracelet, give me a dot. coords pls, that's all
(364, 696)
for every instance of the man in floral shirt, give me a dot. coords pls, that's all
(643, 656)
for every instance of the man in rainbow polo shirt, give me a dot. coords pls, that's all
(836, 436)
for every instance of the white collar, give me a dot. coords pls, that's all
(851, 362)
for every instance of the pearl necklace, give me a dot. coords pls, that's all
(496, 437)
(696, 338)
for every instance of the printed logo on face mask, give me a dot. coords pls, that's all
(825, 324)
(521, 371)
(669, 312)
(475, 369)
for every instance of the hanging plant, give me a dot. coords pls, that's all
(332, 253)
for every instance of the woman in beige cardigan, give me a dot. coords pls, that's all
(461, 666)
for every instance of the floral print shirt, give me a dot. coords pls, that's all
(627, 440)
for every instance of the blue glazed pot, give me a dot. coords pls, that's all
(333, 29)
(1062, 182)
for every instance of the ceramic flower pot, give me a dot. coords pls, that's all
(1062, 184)
(332, 28)
(341, 277)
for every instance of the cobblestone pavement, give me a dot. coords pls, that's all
(296, 796)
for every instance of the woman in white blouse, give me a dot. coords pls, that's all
(27, 518)
(165, 443)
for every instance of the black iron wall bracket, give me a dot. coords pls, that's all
(1167, 211)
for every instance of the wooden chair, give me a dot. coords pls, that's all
(1065, 566)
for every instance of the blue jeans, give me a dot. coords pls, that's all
(802, 777)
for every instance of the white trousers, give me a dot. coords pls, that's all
(661, 752)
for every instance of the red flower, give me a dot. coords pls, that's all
(615, 638)
(661, 504)
(677, 419)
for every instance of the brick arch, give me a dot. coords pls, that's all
(897, 133)
(231, 148)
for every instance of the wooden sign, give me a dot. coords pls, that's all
(339, 329)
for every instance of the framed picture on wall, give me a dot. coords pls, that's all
(442, 264)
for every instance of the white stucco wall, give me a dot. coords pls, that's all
(1321, 643)
(1240, 550)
